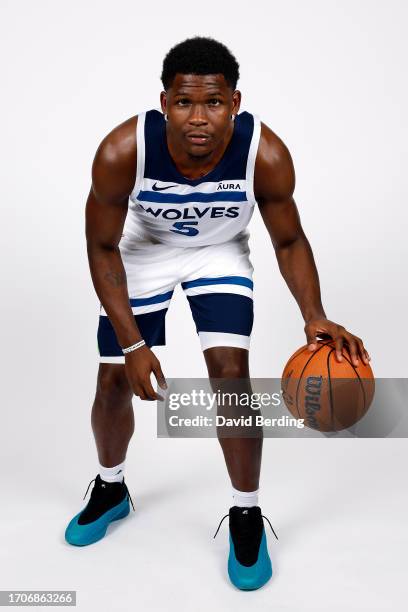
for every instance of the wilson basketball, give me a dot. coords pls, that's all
(329, 395)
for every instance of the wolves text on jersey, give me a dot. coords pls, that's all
(192, 212)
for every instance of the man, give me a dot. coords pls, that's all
(172, 194)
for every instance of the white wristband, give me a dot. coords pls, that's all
(129, 349)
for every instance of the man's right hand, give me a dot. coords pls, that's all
(139, 365)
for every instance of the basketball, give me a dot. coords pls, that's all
(329, 395)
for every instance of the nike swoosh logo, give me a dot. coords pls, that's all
(156, 188)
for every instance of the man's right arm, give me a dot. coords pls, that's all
(113, 177)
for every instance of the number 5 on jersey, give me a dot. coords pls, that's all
(182, 227)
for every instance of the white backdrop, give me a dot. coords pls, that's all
(330, 79)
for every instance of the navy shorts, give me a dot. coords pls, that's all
(216, 279)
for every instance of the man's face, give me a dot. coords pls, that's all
(199, 109)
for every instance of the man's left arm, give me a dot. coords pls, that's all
(274, 187)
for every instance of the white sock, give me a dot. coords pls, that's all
(112, 474)
(245, 499)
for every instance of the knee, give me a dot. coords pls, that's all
(228, 370)
(112, 384)
(227, 362)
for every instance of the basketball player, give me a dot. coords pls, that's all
(172, 194)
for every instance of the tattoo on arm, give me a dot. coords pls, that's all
(115, 278)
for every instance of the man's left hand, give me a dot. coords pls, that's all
(340, 336)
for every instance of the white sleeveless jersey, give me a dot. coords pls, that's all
(167, 208)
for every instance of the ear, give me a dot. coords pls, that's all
(163, 101)
(236, 101)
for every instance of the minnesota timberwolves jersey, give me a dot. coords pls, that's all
(165, 207)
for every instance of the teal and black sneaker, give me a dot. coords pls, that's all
(249, 564)
(108, 502)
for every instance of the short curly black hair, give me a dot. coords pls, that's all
(200, 55)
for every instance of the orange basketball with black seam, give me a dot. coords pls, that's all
(329, 395)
